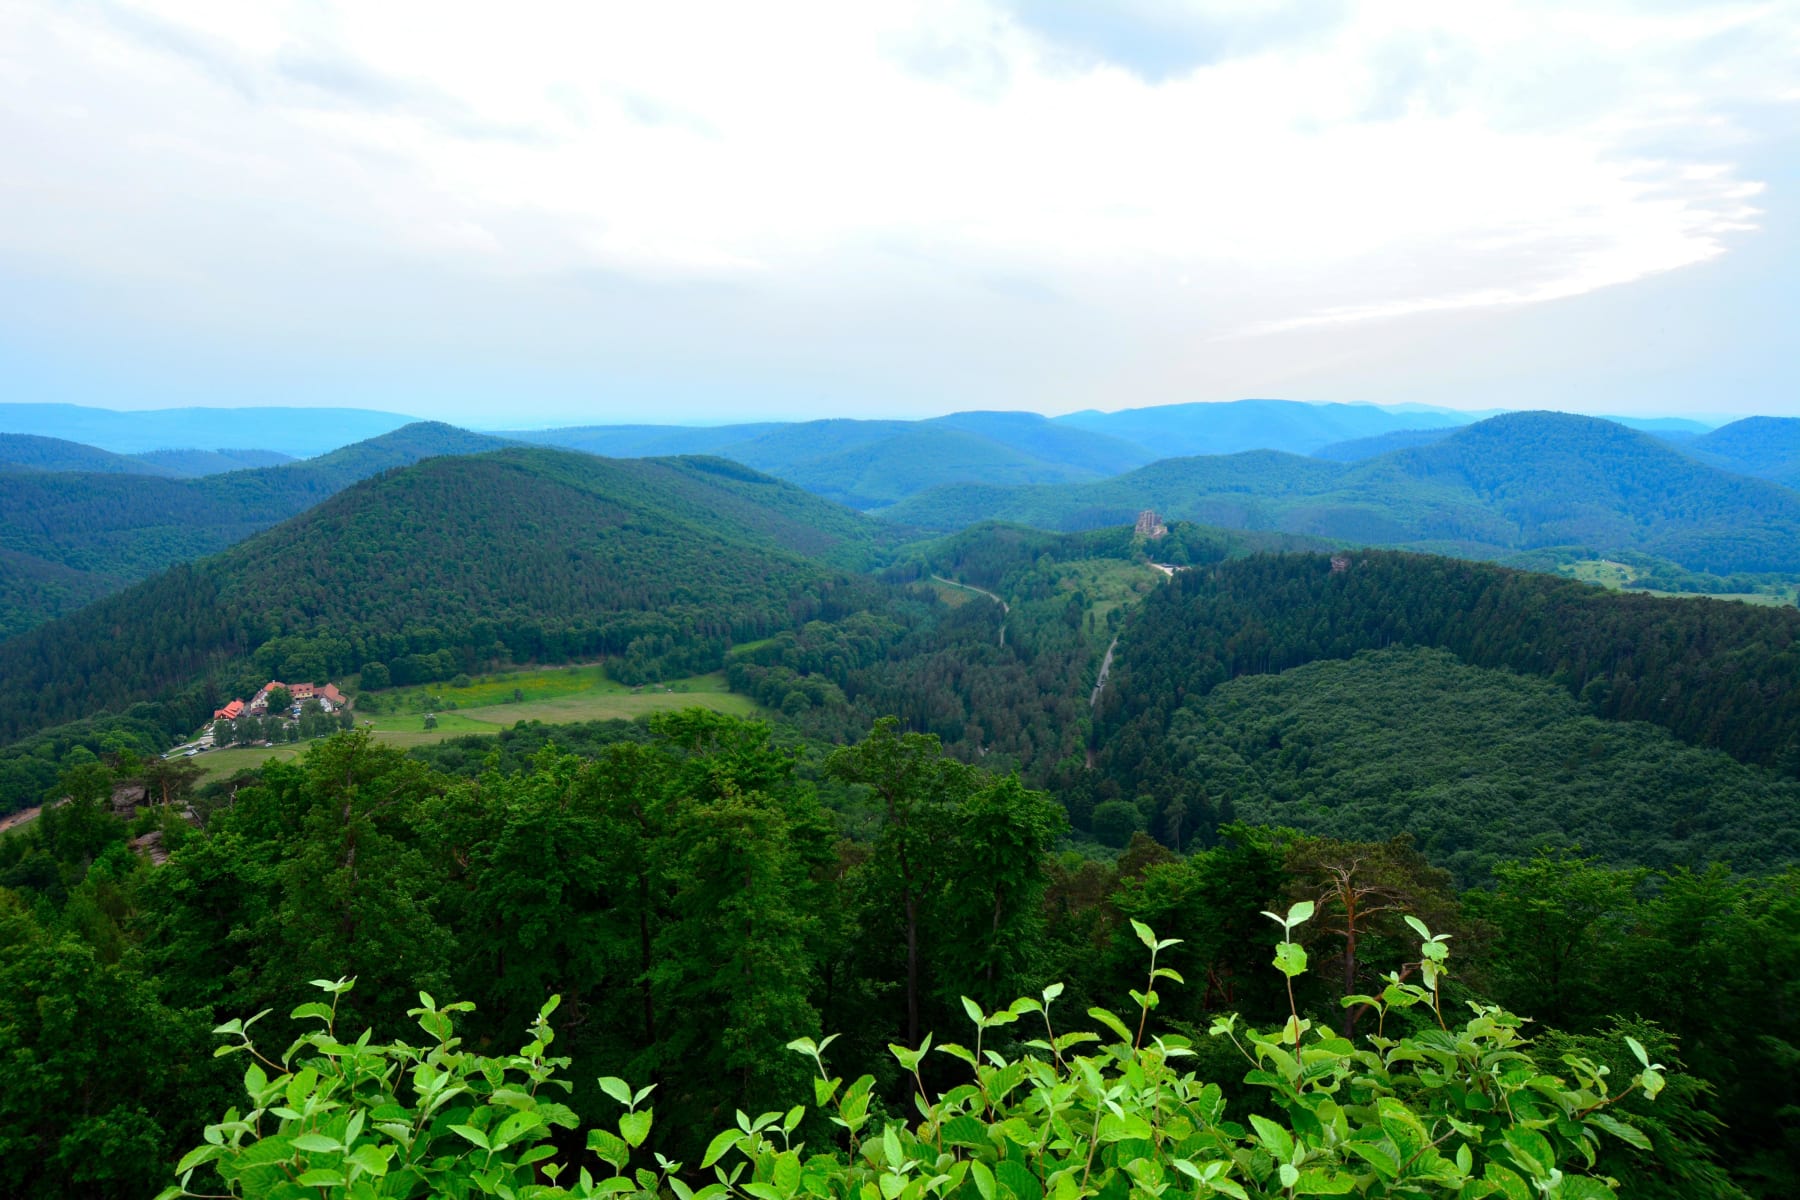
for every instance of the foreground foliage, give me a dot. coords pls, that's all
(1461, 1112)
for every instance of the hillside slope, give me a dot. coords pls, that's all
(533, 554)
(1515, 482)
(1357, 449)
(869, 464)
(1477, 764)
(191, 464)
(1229, 427)
(300, 432)
(1715, 675)
(111, 529)
(35, 453)
(1766, 447)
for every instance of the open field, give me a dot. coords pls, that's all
(549, 698)
(1616, 575)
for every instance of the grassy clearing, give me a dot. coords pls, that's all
(555, 705)
(952, 595)
(520, 685)
(222, 764)
(1109, 584)
(1616, 575)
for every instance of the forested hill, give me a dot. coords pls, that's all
(81, 534)
(1510, 483)
(1766, 447)
(869, 464)
(54, 454)
(537, 554)
(1714, 673)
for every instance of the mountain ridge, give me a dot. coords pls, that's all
(1513, 482)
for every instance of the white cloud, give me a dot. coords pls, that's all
(824, 160)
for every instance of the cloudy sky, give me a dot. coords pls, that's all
(544, 211)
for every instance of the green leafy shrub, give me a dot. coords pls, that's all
(1460, 1111)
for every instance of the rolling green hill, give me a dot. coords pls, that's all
(1357, 449)
(297, 431)
(81, 534)
(191, 464)
(1766, 447)
(872, 464)
(532, 554)
(35, 453)
(1478, 765)
(1715, 675)
(1511, 483)
(1238, 425)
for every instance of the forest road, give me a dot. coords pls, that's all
(1005, 608)
(1105, 670)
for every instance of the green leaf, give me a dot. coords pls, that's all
(984, 1179)
(1143, 932)
(471, 1134)
(1276, 1140)
(1418, 927)
(318, 1143)
(1637, 1048)
(1385, 1164)
(974, 1011)
(1316, 1181)
(196, 1156)
(785, 1174)
(373, 1159)
(890, 1147)
(617, 1089)
(1299, 914)
(320, 1177)
(634, 1127)
(608, 1147)
(1290, 959)
(1111, 1022)
(1016, 1178)
(1629, 1134)
(1051, 993)
(720, 1146)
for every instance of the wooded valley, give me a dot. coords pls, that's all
(985, 764)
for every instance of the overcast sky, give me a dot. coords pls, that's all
(541, 212)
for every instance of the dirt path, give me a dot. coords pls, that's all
(1005, 608)
(1105, 670)
(19, 818)
(969, 587)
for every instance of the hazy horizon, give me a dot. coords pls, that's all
(701, 214)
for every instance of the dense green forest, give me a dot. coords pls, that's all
(1008, 687)
(871, 464)
(35, 453)
(1592, 794)
(1475, 764)
(80, 532)
(1511, 483)
(536, 555)
(699, 894)
(1766, 447)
